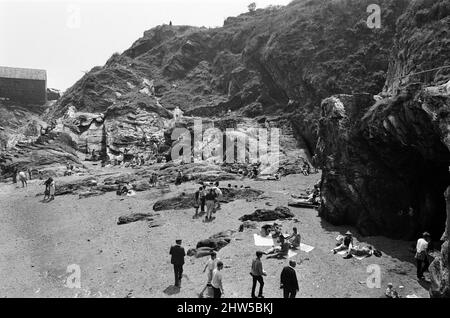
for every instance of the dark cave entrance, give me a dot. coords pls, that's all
(413, 186)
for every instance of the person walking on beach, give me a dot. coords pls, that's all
(216, 281)
(289, 282)
(211, 265)
(257, 274)
(178, 253)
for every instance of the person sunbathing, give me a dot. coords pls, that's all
(361, 251)
(347, 243)
(280, 251)
(294, 239)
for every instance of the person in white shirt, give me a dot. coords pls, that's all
(422, 254)
(216, 281)
(210, 267)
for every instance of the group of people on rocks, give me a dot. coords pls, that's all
(214, 268)
(207, 196)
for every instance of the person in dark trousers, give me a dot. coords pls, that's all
(177, 252)
(197, 201)
(202, 196)
(289, 282)
(210, 198)
(422, 254)
(257, 273)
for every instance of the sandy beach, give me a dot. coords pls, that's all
(40, 240)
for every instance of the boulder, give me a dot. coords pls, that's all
(259, 215)
(186, 201)
(134, 217)
(247, 225)
(439, 268)
(217, 241)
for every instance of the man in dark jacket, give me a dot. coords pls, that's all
(289, 282)
(177, 252)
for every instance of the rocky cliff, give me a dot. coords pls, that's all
(263, 64)
(386, 160)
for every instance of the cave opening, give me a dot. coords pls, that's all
(413, 188)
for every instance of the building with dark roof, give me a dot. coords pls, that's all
(23, 85)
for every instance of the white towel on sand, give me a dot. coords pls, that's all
(306, 248)
(263, 241)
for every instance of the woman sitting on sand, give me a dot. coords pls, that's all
(347, 243)
(294, 239)
(280, 251)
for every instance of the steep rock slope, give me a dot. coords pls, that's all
(273, 61)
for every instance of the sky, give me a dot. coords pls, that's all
(68, 38)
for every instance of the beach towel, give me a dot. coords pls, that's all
(291, 253)
(360, 257)
(306, 248)
(357, 257)
(263, 241)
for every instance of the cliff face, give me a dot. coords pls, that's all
(384, 165)
(386, 162)
(422, 42)
(275, 61)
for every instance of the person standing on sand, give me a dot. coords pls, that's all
(49, 193)
(422, 254)
(257, 274)
(14, 176)
(197, 201)
(23, 178)
(177, 252)
(202, 196)
(288, 280)
(210, 197)
(216, 281)
(219, 195)
(210, 266)
(52, 189)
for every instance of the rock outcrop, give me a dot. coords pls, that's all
(439, 268)
(279, 213)
(380, 171)
(186, 201)
(386, 159)
(271, 62)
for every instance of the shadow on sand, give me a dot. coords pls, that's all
(171, 290)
